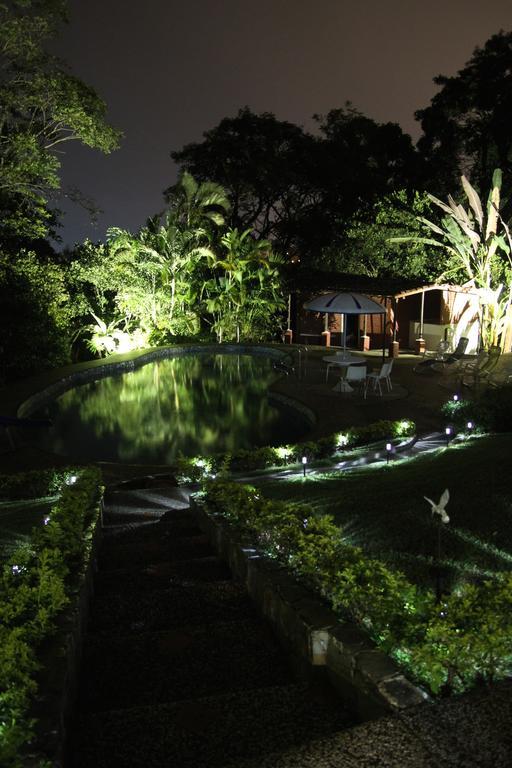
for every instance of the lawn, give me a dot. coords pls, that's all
(381, 508)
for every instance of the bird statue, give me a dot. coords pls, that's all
(439, 509)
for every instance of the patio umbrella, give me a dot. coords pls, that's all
(345, 304)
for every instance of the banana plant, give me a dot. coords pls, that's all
(479, 245)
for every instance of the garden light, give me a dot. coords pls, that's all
(470, 425)
(389, 448)
(448, 432)
(304, 462)
(455, 398)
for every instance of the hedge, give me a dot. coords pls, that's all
(199, 468)
(446, 646)
(36, 584)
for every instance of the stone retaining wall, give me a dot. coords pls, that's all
(368, 680)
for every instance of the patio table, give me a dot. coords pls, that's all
(343, 360)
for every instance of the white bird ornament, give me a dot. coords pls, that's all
(439, 509)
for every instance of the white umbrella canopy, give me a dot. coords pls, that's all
(345, 304)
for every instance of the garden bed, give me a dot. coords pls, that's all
(44, 593)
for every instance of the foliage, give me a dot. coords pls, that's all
(465, 129)
(366, 248)
(33, 296)
(297, 189)
(450, 646)
(479, 247)
(34, 483)
(197, 468)
(42, 107)
(243, 294)
(264, 164)
(35, 585)
(489, 410)
(469, 639)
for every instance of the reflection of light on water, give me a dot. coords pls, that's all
(194, 405)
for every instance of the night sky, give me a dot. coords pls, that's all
(170, 70)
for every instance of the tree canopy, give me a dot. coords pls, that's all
(293, 187)
(466, 128)
(42, 106)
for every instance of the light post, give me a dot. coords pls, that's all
(447, 432)
(389, 448)
(304, 462)
(469, 426)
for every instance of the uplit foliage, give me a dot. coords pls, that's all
(243, 293)
(366, 248)
(479, 246)
(42, 106)
(34, 296)
(36, 584)
(448, 646)
(181, 276)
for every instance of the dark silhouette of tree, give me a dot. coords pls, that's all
(466, 129)
(295, 188)
(263, 163)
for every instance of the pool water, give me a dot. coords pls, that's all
(195, 405)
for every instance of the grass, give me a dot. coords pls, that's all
(382, 509)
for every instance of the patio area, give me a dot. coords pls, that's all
(412, 397)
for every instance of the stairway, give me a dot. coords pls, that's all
(179, 670)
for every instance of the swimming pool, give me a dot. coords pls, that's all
(198, 404)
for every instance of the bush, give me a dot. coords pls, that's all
(201, 468)
(35, 585)
(447, 646)
(33, 484)
(490, 411)
(33, 296)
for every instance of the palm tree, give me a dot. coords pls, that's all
(243, 292)
(196, 206)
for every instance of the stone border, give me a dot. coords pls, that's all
(369, 681)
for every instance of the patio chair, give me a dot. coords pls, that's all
(440, 352)
(356, 377)
(437, 363)
(473, 377)
(377, 376)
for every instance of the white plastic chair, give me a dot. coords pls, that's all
(356, 376)
(377, 376)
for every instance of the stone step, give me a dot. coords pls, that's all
(122, 672)
(161, 575)
(151, 611)
(132, 505)
(114, 555)
(157, 529)
(209, 732)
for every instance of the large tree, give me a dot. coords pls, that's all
(265, 164)
(295, 188)
(466, 128)
(42, 107)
